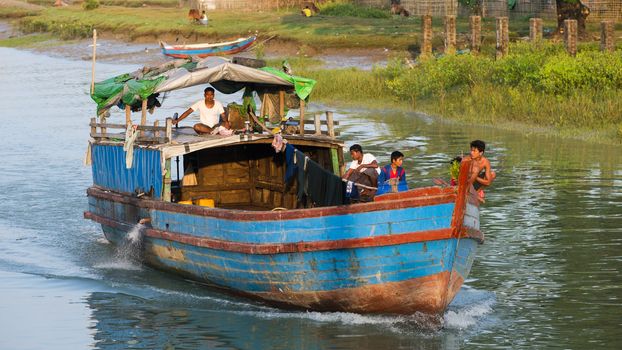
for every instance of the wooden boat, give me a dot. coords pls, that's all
(205, 50)
(402, 253)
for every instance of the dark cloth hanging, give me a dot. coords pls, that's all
(315, 183)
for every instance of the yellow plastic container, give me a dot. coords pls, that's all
(185, 202)
(205, 202)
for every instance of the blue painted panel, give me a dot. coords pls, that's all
(371, 224)
(312, 271)
(109, 169)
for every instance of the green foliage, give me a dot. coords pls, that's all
(454, 169)
(437, 76)
(90, 4)
(339, 9)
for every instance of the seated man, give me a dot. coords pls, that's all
(364, 171)
(210, 113)
(392, 176)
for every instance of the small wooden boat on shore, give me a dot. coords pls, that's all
(205, 50)
(402, 253)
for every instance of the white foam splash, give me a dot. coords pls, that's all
(467, 316)
(127, 253)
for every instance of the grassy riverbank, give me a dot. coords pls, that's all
(287, 26)
(537, 87)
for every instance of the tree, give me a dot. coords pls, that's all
(572, 9)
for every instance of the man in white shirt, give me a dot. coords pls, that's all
(364, 171)
(360, 161)
(211, 112)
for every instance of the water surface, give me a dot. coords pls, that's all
(547, 276)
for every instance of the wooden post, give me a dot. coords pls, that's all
(282, 104)
(329, 124)
(93, 65)
(156, 132)
(570, 36)
(93, 127)
(318, 124)
(102, 119)
(302, 117)
(166, 192)
(607, 36)
(535, 30)
(503, 37)
(143, 116)
(450, 34)
(169, 129)
(426, 29)
(475, 23)
(128, 115)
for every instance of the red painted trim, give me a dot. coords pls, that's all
(276, 248)
(457, 219)
(417, 192)
(243, 215)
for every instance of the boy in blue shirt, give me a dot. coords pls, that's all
(392, 176)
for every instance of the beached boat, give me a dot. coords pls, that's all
(402, 253)
(205, 50)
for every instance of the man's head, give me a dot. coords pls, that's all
(356, 152)
(209, 94)
(397, 158)
(477, 148)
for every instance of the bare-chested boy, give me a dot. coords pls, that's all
(481, 173)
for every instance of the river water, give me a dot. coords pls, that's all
(548, 275)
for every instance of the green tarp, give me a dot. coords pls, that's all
(303, 86)
(131, 89)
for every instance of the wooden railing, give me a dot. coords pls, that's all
(158, 134)
(315, 120)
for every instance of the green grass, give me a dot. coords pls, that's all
(26, 41)
(15, 12)
(537, 88)
(340, 9)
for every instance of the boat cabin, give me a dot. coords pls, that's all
(240, 171)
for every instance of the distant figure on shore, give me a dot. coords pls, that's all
(398, 9)
(203, 19)
(194, 15)
(306, 12)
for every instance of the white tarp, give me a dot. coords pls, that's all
(224, 76)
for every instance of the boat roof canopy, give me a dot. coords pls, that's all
(224, 76)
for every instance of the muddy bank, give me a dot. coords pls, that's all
(146, 50)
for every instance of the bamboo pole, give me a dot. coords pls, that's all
(128, 115)
(302, 117)
(143, 116)
(330, 124)
(93, 65)
(282, 104)
(318, 125)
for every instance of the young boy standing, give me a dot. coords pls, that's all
(392, 176)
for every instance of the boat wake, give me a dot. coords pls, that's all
(128, 253)
(469, 309)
